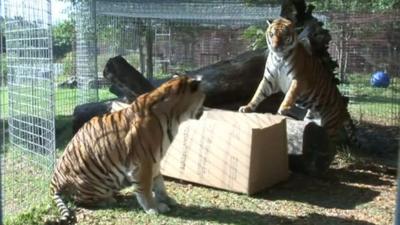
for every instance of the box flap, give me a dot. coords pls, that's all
(245, 120)
(269, 158)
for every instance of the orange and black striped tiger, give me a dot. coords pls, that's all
(123, 148)
(292, 69)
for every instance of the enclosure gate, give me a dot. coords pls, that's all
(29, 155)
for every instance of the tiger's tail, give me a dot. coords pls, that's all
(351, 129)
(62, 207)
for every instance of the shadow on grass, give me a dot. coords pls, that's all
(327, 193)
(361, 177)
(63, 131)
(382, 141)
(233, 216)
(330, 192)
(230, 216)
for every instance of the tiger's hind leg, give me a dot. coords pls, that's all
(160, 191)
(144, 192)
(89, 196)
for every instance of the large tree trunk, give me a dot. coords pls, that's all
(232, 81)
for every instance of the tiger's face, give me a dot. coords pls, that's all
(180, 95)
(281, 36)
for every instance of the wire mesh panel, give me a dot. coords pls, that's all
(365, 44)
(66, 84)
(2, 112)
(162, 38)
(367, 48)
(30, 155)
(86, 52)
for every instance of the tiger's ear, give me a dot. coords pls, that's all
(269, 21)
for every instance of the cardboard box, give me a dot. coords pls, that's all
(238, 152)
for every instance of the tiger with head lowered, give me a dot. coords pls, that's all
(123, 148)
(292, 69)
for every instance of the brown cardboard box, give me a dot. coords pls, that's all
(233, 151)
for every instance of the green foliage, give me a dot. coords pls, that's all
(355, 5)
(63, 38)
(133, 59)
(346, 5)
(69, 64)
(256, 36)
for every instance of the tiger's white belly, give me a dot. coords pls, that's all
(279, 70)
(283, 79)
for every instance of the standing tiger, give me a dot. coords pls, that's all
(291, 68)
(123, 148)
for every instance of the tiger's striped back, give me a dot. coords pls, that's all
(125, 147)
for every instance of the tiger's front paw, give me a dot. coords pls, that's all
(283, 111)
(170, 201)
(161, 208)
(166, 199)
(245, 109)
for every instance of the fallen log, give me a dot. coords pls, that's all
(127, 80)
(308, 147)
(232, 81)
(222, 82)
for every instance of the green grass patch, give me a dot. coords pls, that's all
(343, 198)
(349, 194)
(25, 180)
(35, 216)
(371, 104)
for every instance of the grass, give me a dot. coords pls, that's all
(24, 171)
(350, 193)
(353, 191)
(66, 100)
(371, 104)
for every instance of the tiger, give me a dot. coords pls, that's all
(124, 148)
(292, 69)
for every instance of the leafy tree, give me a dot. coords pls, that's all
(256, 36)
(63, 38)
(355, 5)
(347, 5)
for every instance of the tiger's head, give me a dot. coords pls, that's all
(181, 96)
(281, 36)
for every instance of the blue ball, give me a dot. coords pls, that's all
(380, 79)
